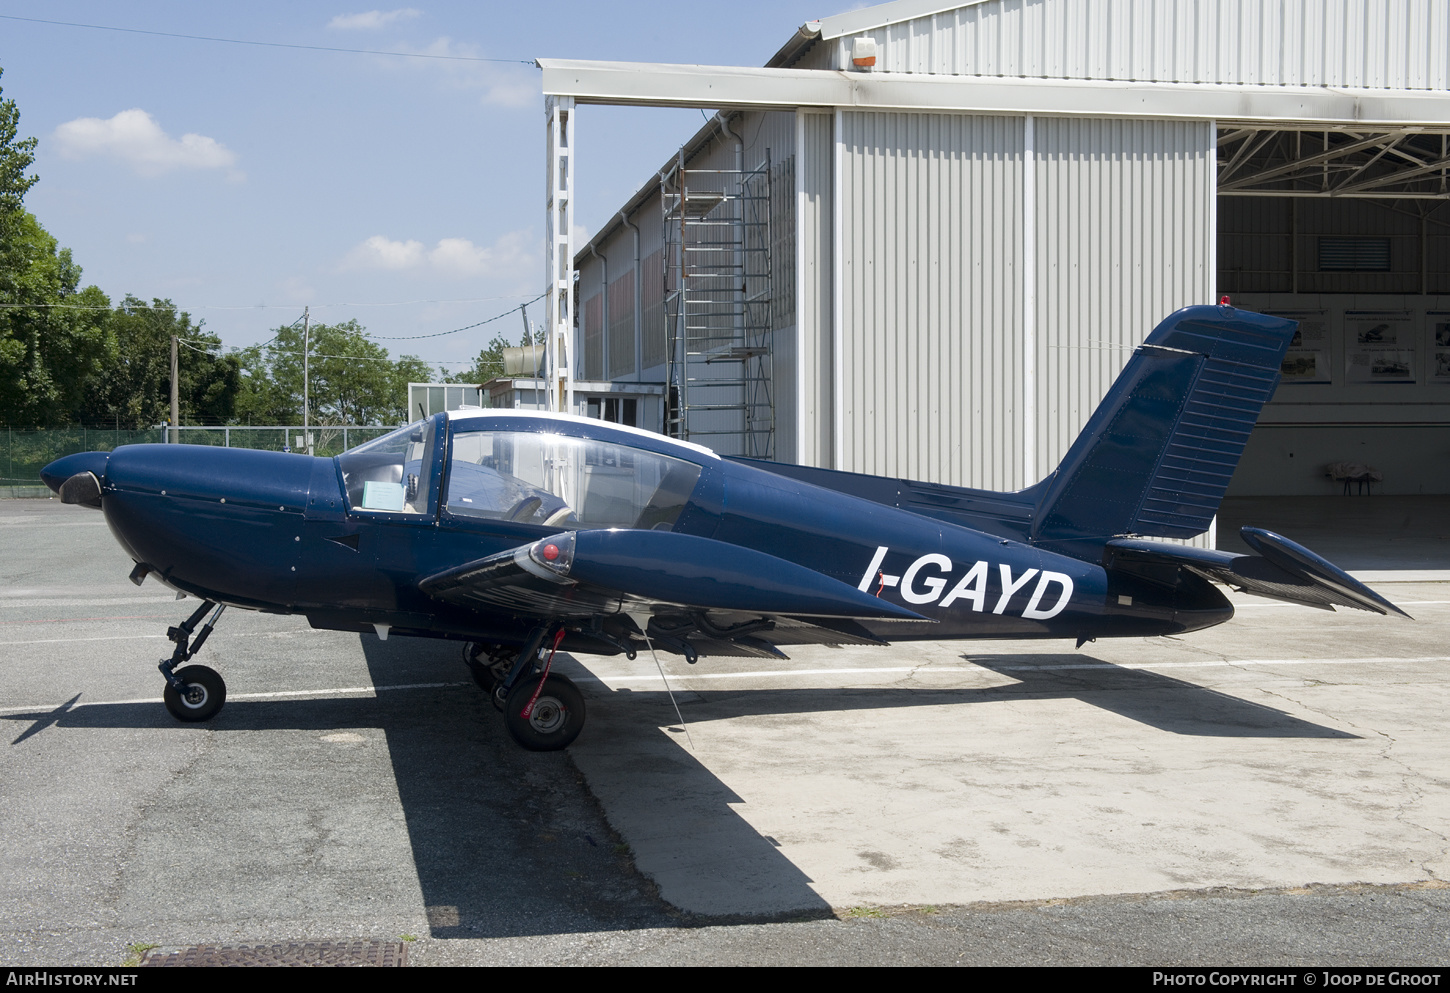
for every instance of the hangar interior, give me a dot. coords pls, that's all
(937, 271)
(1346, 232)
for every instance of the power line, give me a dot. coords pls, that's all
(373, 337)
(262, 44)
(251, 306)
(440, 334)
(187, 343)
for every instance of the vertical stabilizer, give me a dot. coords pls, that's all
(1158, 453)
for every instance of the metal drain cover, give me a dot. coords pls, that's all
(323, 953)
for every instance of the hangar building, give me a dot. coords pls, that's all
(925, 237)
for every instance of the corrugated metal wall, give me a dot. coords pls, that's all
(621, 319)
(815, 161)
(930, 297)
(1359, 43)
(1124, 227)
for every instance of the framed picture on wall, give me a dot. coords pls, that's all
(1307, 360)
(1378, 348)
(1438, 323)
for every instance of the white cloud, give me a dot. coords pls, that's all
(372, 20)
(380, 253)
(512, 255)
(501, 84)
(134, 137)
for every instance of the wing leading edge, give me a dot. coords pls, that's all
(714, 597)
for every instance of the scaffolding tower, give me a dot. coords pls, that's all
(717, 274)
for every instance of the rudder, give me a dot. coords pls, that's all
(1157, 455)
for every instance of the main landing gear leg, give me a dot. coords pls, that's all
(544, 711)
(195, 693)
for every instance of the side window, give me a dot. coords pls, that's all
(559, 481)
(390, 475)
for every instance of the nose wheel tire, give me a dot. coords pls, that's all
(203, 697)
(557, 716)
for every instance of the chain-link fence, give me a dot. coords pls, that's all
(24, 453)
(326, 440)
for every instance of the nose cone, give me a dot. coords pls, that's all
(55, 474)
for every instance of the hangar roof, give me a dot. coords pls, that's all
(1361, 65)
(1370, 44)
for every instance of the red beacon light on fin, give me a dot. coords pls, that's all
(1223, 301)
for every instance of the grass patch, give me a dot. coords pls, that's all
(134, 953)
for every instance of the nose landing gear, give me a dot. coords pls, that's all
(197, 692)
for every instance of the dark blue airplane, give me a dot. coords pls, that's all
(520, 533)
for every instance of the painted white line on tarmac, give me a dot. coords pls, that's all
(370, 691)
(1397, 603)
(927, 669)
(144, 637)
(23, 522)
(8, 601)
(339, 692)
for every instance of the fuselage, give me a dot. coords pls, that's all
(345, 540)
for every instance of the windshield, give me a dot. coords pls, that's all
(565, 482)
(390, 474)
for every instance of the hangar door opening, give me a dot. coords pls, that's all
(1347, 231)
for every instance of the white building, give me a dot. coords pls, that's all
(924, 238)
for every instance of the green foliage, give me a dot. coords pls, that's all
(134, 390)
(53, 335)
(489, 364)
(15, 158)
(55, 339)
(68, 357)
(65, 355)
(351, 379)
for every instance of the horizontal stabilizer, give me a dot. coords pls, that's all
(1284, 570)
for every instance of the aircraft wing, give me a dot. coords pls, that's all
(1283, 570)
(717, 597)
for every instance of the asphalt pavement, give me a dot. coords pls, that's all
(1271, 792)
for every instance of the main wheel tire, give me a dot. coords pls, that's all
(205, 693)
(557, 716)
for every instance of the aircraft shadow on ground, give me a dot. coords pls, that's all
(1149, 698)
(511, 843)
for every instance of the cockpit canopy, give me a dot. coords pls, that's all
(490, 471)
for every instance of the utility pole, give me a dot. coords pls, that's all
(306, 339)
(175, 434)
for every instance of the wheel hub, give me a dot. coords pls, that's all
(195, 695)
(548, 715)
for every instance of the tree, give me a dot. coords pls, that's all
(351, 379)
(53, 335)
(15, 158)
(65, 354)
(489, 364)
(135, 388)
(55, 338)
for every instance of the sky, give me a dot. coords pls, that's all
(244, 182)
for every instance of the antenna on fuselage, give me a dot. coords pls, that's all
(641, 621)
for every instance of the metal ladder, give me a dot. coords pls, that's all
(717, 264)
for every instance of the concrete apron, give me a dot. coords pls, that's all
(1289, 747)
